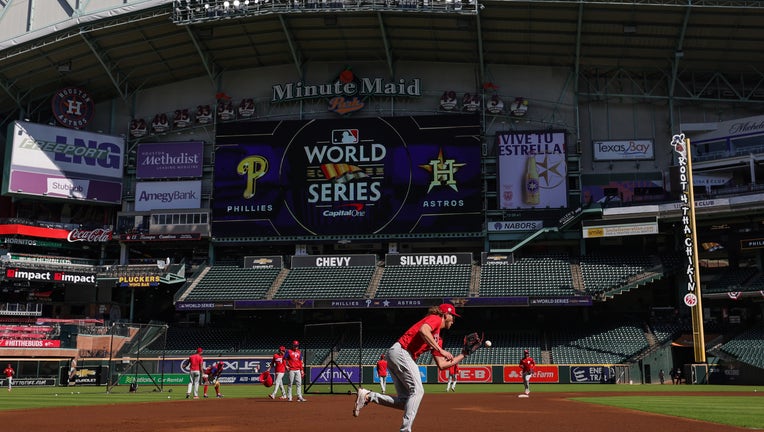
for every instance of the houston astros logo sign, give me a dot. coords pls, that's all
(73, 107)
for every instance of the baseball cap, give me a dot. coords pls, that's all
(381, 356)
(526, 352)
(295, 343)
(449, 309)
(282, 348)
(199, 350)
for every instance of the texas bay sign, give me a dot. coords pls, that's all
(347, 92)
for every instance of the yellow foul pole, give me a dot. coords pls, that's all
(692, 297)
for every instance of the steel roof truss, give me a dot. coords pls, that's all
(105, 63)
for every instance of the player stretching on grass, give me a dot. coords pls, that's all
(212, 375)
(279, 368)
(401, 357)
(527, 365)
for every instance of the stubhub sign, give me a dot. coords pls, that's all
(63, 163)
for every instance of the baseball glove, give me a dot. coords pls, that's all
(472, 342)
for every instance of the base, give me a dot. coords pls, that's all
(523, 395)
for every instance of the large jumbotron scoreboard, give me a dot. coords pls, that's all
(348, 176)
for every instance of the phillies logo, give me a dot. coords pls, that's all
(96, 235)
(73, 107)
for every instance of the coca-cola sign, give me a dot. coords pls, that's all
(94, 236)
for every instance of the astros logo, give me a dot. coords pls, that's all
(73, 107)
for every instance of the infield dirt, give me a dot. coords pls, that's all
(542, 412)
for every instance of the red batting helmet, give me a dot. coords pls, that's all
(282, 348)
(199, 350)
(295, 343)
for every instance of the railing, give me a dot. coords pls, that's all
(21, 309)
(196, 11)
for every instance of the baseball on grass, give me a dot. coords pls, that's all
(488, 343)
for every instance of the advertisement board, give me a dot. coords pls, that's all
(532, 169)
(48, 276)
(169, 160)
(349, 176)
(336, 375)
(621, 150)
(63, 163)
(30, 343)
(591, 374)
(168, 195)
(541, 374)
(469, 374)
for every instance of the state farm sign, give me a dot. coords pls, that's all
(469, 374)
(541, 374)
(98, 235)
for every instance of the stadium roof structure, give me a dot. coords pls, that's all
(667, 50)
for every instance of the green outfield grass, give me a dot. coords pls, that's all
(737, 408)
(743, 411)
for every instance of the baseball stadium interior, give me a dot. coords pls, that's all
(579, 178)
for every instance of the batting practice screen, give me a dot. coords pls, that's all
(348, 176)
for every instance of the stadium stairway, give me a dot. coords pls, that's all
(578, 278)
(374, 283)
(190, 287)
(276, 284)
(475, 281)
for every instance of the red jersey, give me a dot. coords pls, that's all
(195, 362)
(413, 342)
(278, 363)
(8, 372)
(293, 359)
(382, 368)
(527, 364)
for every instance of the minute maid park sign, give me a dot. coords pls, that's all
(347, 92)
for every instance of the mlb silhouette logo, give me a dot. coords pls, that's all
(345, 136)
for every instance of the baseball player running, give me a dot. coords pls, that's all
(279, 368)
(424, 335)
(212, 375)
(527, 364)
(195, 362)
(293, 359)
(9, 372)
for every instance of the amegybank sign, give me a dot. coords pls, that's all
(168, 195)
